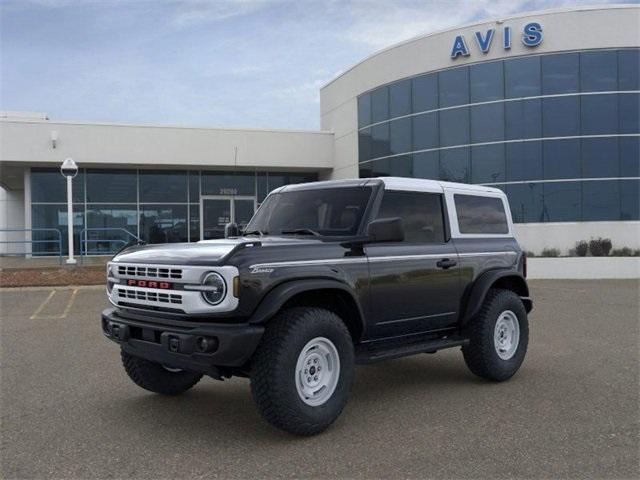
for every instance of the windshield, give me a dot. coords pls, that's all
(325, 212)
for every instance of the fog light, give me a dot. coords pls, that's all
(206, 344)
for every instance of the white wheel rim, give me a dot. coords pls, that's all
(506, 335)
(317, 371)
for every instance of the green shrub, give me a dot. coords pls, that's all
(622, 252)
(582, 248)
(530, 254)
(600, 247)
(550, 252)
(636, 252)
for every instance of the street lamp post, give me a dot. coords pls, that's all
(69, 169)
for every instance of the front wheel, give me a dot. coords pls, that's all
(302, 370)
(498, 336)
(158, 378)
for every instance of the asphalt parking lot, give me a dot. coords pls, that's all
(69, 410)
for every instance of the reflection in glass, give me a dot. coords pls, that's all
(228, 183)
(525, 201)
(487, 123)
(194, 186)
(111, 222)
(487, 164)
(426, 165)
(599, 157)
(599, 114)
(194, 222)
(425, 92)
(163, 223)
(629, 199)
(400, 98)
(400, 135)
(454, 87)
(48, 185)
(561, 116)
(523, 119)
(454, 127)
(629, 69)
(454, 165)
(364, 110)
(522, 77)
(629, 112)
(600, 200)
(562, 201)
(560, 73)
(561, 159)
(380, 140)
(487, 81)
(380, 104)
(425, 131)
(524, 161)
(599, 71)
(52, 216)
(112, 186)
(164, 186)
(364, 144)
(629, 156)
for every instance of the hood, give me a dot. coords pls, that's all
(208, 252)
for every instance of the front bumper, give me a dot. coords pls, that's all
(179, 344)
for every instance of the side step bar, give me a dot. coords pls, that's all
(370, 354)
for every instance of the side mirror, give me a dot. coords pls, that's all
(231, 230)
(385, 230)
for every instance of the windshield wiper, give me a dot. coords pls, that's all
(301, 231)
(255, 232)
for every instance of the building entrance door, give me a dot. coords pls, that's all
(218, 210)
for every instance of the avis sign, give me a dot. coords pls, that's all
(531, 37)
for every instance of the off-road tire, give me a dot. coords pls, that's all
(480, 354)
(155, 378)
(273, 377)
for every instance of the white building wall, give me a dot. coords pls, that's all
(11, 216)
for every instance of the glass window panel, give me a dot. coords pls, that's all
(525, 202)
(478, 214)
(52, 216)
(600, 200)
(400, 135)
(381, 168)
(454, 87)
(365, 170)
(163, 223)
(112, 186)
(560, 73)
(380, 140)
(221, 183)
(400, 98)
(400, 166)
(562, 201)
(561, 159)
(364, 110)
(487, 164)
(523, 119)
(194, 222)
(421, 215)
(487, 81)
(600, 157)
(112, 222)
(630, 199)
(454, 127)
(425, 92)
(522, 77)
(454, 165)
(599, 114)
(194, 186)
(629, 112)
(262, 186)
(364, 144)
(524, 161)
(48, 185)
(425, 131)
(629, 69)
(426, 165)
(487, 123)
(599, 71)
(561, 116)
(380, 104)
(163, 186)
(630, 156)
(279, 179)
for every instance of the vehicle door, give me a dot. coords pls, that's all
(414, 284)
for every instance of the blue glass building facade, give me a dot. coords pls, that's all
(559, 133)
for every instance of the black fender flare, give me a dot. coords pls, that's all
(482, 285)
(273, 301)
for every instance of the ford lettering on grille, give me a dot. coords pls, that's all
(149, 284)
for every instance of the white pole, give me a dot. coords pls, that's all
(70, 260)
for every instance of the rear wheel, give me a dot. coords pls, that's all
(302, 370)
(499, 335)
(158, 378)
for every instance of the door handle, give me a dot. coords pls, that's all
(446, 263)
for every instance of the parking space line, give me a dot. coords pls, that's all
(42, 305)
(69, 304)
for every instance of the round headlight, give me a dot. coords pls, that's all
(216, 288)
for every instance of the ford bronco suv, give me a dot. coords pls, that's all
(324, 276)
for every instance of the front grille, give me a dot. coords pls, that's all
(160, 297)
(149, 272)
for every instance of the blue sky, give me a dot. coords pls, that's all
(242, 63)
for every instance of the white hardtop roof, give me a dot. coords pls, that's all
(423, 185)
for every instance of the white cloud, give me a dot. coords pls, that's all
(194, 12)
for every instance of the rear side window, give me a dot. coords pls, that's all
(421, 215)
(481, 214)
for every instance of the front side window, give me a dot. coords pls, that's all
(421, 215)
(322, 211)
(480, 214)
